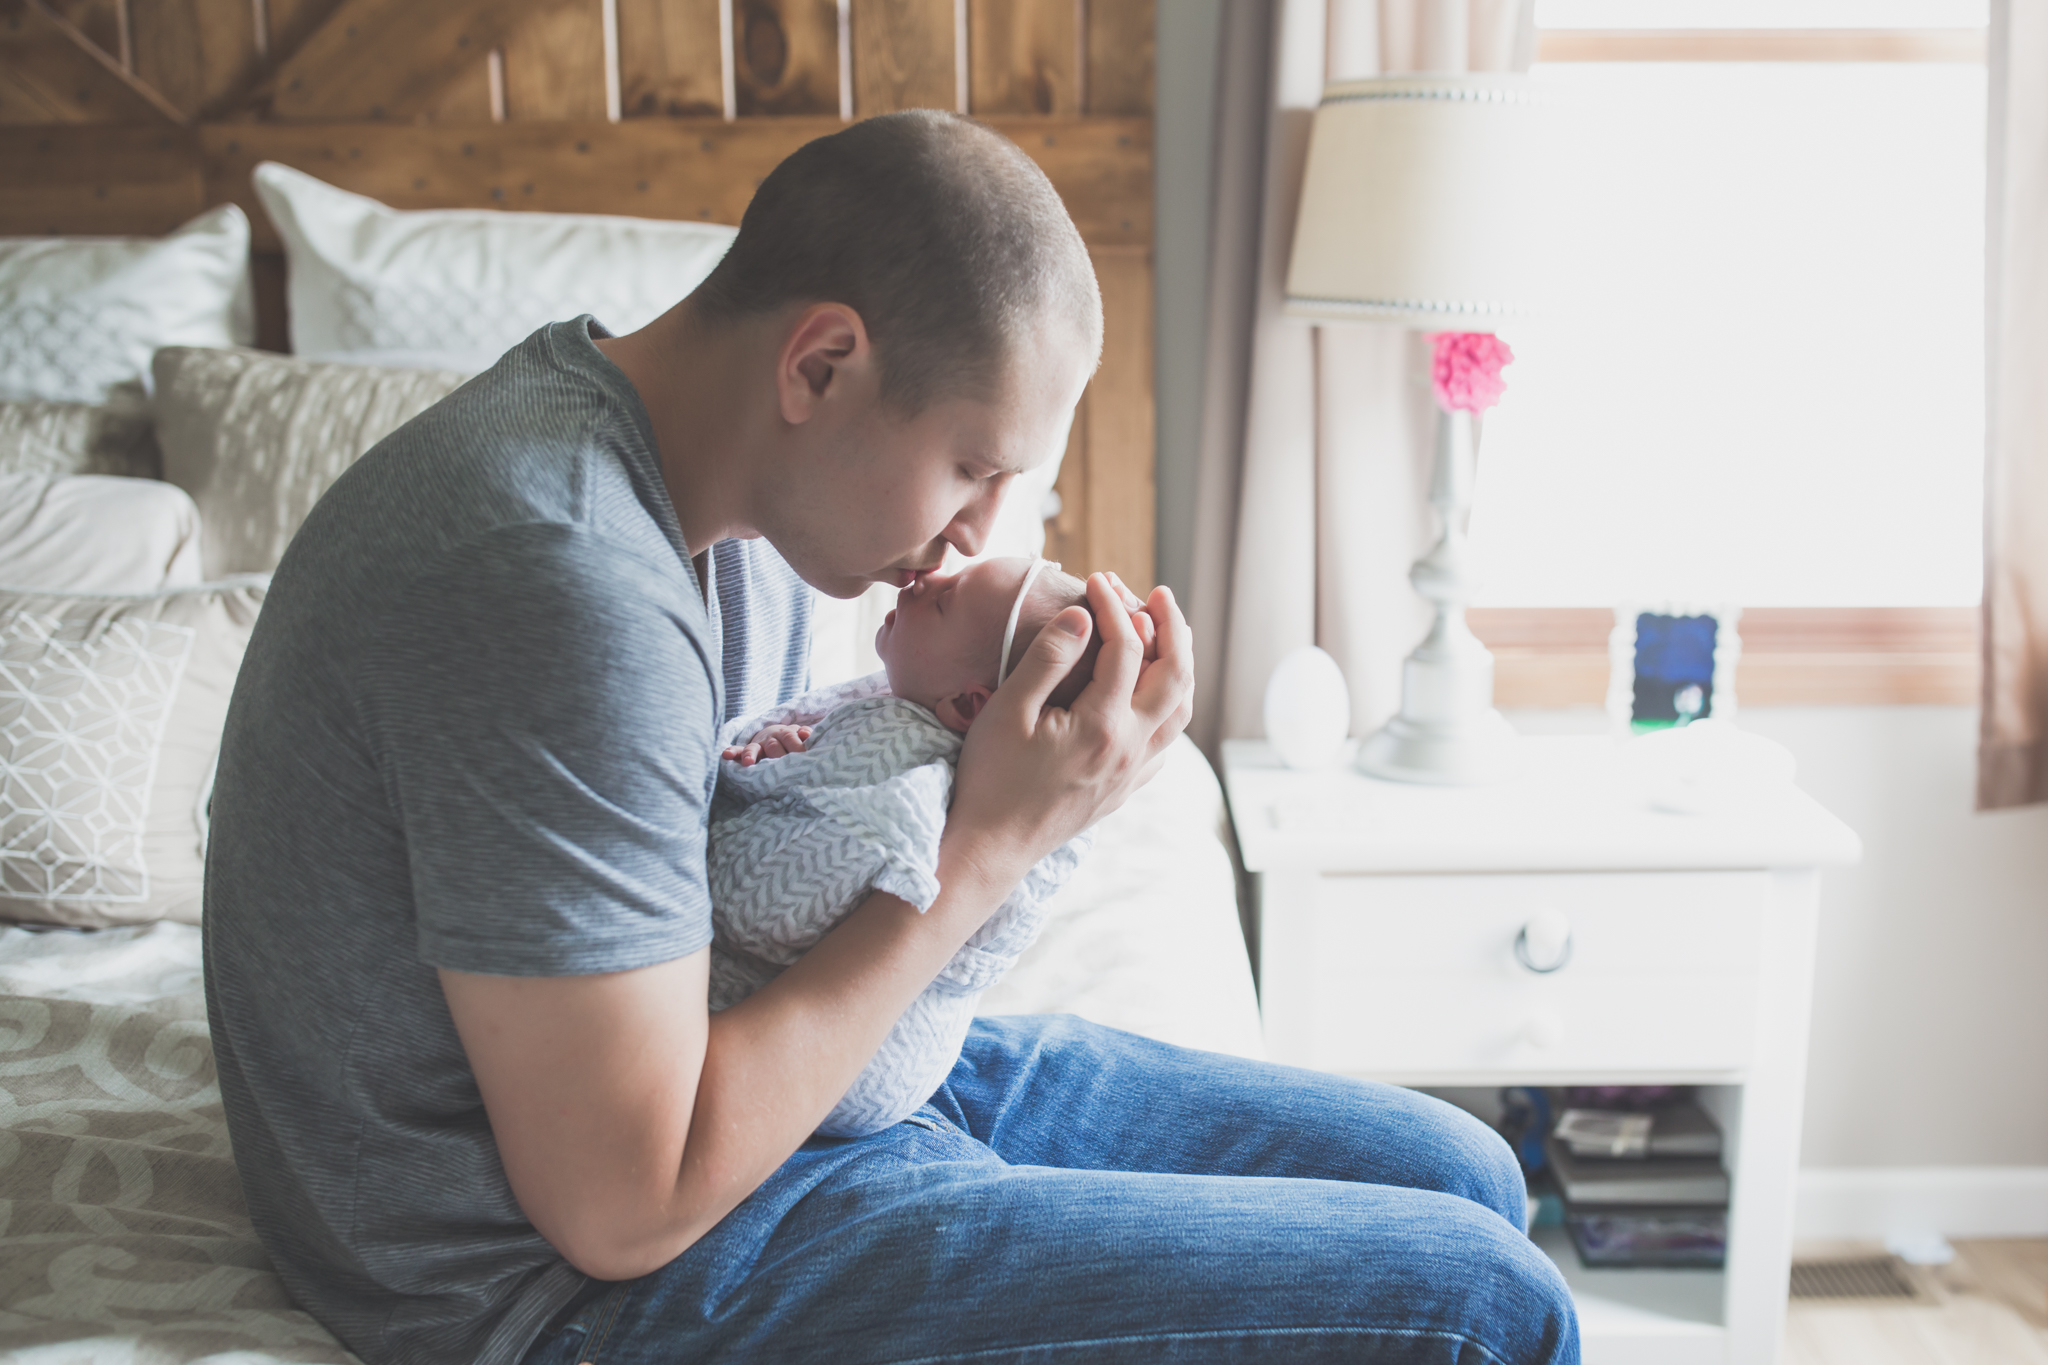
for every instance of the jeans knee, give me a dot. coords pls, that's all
(1534, 1305)
(1498, 1178)
(1481, 1166)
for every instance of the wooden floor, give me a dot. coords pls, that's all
(1990, 1307)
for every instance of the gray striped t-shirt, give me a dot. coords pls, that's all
(475, 729)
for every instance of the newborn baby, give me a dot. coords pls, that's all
(852, 798)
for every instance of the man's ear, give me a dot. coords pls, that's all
(958, 712)
(826, 339)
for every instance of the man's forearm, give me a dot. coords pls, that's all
(777, 1062)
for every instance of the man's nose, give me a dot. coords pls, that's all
(970, 530)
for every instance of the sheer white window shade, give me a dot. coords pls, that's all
(1761, 377)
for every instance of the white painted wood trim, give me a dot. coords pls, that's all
(1954, 1201)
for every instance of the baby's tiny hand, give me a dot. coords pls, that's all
(773, 742)
(1141, 620)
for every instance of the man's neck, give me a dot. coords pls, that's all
(698, 389)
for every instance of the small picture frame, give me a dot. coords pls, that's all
(1672, 663)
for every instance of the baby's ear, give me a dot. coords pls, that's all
(958, 712)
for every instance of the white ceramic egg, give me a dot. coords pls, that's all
(1308, 708)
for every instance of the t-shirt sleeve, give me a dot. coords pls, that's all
(542, 709)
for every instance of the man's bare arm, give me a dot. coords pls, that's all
(630, 1121)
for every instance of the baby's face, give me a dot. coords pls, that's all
(945, 634)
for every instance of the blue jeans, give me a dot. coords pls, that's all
(1073, 1193)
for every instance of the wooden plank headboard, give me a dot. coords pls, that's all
(131, 116)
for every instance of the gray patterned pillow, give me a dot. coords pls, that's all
(256, 438)
(110, 719)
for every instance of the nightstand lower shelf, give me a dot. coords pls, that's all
(1642, 1317)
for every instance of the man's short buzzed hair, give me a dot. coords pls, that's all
(941, 233)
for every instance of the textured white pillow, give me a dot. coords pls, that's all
(93, 533)
(456, 288)
(111, 710)
(79, 315)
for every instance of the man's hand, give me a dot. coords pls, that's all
(1032, 777)
(773, 742)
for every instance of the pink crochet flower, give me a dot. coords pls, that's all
(1467, 370)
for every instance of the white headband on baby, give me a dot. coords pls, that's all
(1017, 610)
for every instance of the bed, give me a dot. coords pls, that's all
(155, 461)
(122, 1232)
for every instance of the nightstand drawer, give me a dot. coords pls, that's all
(1402, 976)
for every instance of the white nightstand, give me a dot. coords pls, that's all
(1388, 918)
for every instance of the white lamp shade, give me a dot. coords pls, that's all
(1418, 203)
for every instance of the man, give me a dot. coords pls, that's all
(456, 918)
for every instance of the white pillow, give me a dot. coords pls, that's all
(96, 534)
(79, 315)
(455, 289)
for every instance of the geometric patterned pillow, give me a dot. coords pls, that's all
(111, 711)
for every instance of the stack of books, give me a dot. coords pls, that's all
(1642, 1189)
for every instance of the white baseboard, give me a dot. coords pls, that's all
(1954, 1201)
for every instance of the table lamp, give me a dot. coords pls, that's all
(1415, 210)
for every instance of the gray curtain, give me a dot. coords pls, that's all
(1315, 439)
(2012, 755)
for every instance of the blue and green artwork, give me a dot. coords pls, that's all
(1674, 670)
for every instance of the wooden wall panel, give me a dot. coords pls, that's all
(199, 54)
(102, 181)
(786, 56)
(1120, 57)
(1120, 420)
(50, 72)
(905, 56)
(1024, 56)
(554, 63)
(669, 59)
(1106, 482)
(656, 168)
(464, 100)
(391, 59)
(101, 21)
(292, 22)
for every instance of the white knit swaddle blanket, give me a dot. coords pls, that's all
(796, 843)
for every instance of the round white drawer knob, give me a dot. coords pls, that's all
(1545, 943)
(1543, 1032)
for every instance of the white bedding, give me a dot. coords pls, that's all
(122, 1232)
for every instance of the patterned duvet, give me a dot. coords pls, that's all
(122, 1232)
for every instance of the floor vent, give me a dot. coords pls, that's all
(1865, 1278)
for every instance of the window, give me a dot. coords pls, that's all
(1760, 379)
